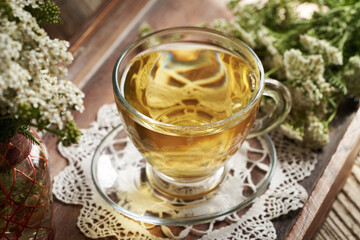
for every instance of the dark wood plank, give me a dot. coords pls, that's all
(96, 49)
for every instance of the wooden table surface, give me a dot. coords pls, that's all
(97, 45)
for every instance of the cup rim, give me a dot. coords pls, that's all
(182, 29)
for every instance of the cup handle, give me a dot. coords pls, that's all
(271, 114)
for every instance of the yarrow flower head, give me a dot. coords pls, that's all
(331, 54)
(274, 59)
(352, 75)
(306, 82)
(306, 79)
(233, 29)
(30, 65)
(316, 132)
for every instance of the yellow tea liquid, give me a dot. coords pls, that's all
(189, 84)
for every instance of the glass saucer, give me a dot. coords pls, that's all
(119, 174)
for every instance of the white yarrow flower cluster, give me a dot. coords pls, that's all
(289, 131)
(236, 30)
(23, 3)
(266, 40)
(352, 75)
(30, 63)
(331, 54)
(305, 75)
(306, 80)
(316, 134)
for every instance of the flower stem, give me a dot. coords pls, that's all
(272, 71)
(343, 40)
(44, 128)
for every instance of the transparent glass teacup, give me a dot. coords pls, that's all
(188, 98)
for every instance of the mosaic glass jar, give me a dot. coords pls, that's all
(25, 189)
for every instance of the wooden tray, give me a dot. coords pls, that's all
(115, 25)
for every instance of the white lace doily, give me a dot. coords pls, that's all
(97, 219)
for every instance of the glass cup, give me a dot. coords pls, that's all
(188, 97)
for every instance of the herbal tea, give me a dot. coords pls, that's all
(189, 84)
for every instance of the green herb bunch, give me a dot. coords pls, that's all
(316, 56)
(30, 64)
